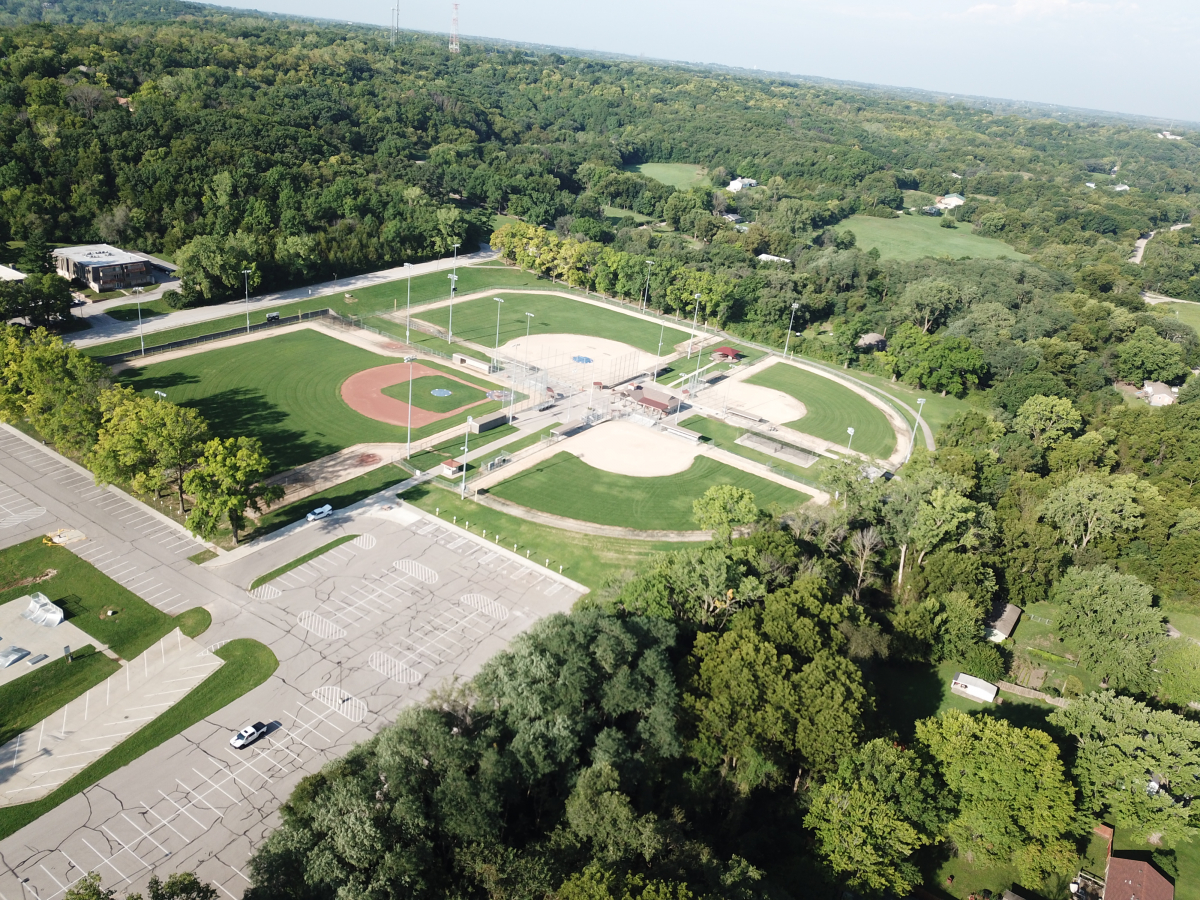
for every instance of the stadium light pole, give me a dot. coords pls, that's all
(695, 319)
(246, 279)
(466, 440)
(141, 336)
(646, 298)
(791, 322)
(850, 431)
(499, 302)
(450, 328)
(528, 321)
(913, 441)
(408, 308)
(699, 356)
(408, 446)
(658, 359)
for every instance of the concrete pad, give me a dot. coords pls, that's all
(37, 639)
(35, 762)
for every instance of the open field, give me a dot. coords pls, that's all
(564, 485)
(1187, 313)
(589, 559)
(832, 409)
(913, 237)
(370, 301)
(680, 175)
(424, 398)
(285, 391)
(475, 320)
(85, 593)
(247, 665)
(615, 214)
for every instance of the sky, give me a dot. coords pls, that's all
(1118, 56)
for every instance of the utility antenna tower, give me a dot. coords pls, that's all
(454, 31)
(395, 26)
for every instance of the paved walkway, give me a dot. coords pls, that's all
(106, 329)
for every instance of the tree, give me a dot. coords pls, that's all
(1138, 765)
(1145, 356)
(1014, 804)
(226, 482)
(89, 887)
(881, 806)
(1047, 420)
(949, 518)
(1093, 506)
(926, 302)
(722, 508)
(60, 390)
(1178, 665)
(36, 258)
(1110, 618)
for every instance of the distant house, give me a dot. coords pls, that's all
(103, 268)
(1003, 623)
(1120, 187)
(7, 274)
(1091, 184)
(950, 201)
(1169, 136)
(452, 467)
(1156, 393)
(931, 211)
(733, 217)
(872, 340)
(738, 183)
(767, 257)
(1135, 879)
(973, 688)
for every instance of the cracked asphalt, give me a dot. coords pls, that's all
(407, 605)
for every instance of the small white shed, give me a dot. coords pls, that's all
(974, 688)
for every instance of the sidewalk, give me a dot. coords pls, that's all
(105, 329)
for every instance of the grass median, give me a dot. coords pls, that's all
(247, 665)
(300, 560)
(339, 497)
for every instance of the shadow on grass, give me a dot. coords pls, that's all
(244, 411)
(131, 315)
(135, 378)
(339, 497)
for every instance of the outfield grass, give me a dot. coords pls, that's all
(423, 397)
(564, 485)
(301, 560)
(723, 435)
(680, 175)
(285, 391)
(339, 497)
(370, 301)
(475, 320)
(49, 687)
(423, 341)
(914, 237)
(586, 558)
(937, 411)
(247, 665)
(85, 593)
(831, 409)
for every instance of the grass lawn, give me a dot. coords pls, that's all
(586, 558)
(301, 560)
(85, 593)
(475, 320)
(1187, 313)
(130, 313)
(832, 409)
(369, 301)
(424, 398)
(50, 686)
(615, 214)
(339, 497)
(422, 340)
(680, 175)
(938, 410)
(564, 485)
(286, 391)
(247, 665)
(725, 436)
(914, 237)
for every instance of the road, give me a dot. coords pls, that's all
(360, 632)
(106, 329)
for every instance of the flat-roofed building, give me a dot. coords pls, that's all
(973, 688)
(7, 274)
(103, 268)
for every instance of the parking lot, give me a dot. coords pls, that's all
(360, 632)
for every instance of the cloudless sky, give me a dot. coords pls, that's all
(1119, 56)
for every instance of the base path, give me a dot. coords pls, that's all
(363, 393)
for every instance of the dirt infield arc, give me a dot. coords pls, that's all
(363, 393)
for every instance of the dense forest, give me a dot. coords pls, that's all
(724, 722)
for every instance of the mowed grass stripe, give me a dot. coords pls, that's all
(286, 391)
(566, 486)
(475, 320)
(832, 408)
